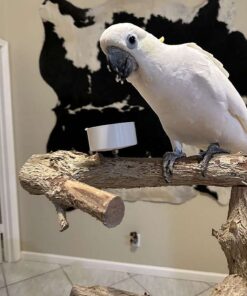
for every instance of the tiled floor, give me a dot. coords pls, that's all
(29, 278)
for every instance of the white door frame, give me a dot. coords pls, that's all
(8, 181)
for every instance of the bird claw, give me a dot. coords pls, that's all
(169, 159)
(207, 155)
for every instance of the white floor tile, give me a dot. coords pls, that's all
(89, 277)
(52, 283)
(28, 278)
(160, 286)
(207, 292)
(130, 285)
(2, 282)
(3, 292)
(15, 272)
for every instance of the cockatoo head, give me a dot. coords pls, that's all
(124, 45)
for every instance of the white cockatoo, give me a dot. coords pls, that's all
(186, 87)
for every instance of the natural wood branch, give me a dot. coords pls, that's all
(40, 175)
(61, 215)
(69, 178)
(233, 240)
(233, 234)
(224, 170)
(233, 285)
(98, 291)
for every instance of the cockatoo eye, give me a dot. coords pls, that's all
(131, 41)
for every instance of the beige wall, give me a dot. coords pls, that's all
(2, 18)
(172, 236)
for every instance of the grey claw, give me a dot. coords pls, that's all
(166, 170)
(208, 155)
(169, 160)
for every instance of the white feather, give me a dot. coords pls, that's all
(210, 57)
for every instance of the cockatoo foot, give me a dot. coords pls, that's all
(169, 159)
(213, 149)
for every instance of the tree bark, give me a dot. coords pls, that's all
(233, 234)
(98, 291)
(232, 237)
(233, 285)
(40, 175)
(69, 178)
(223, 170)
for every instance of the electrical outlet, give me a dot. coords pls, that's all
(135, 239)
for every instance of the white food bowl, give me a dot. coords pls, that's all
(111, 136)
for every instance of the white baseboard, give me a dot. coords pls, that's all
(128, 267)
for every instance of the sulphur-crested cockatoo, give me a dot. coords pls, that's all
(186, 87)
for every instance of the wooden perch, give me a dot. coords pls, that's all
(98, 291)
(224, 170)
(233, 285)
(41, 175)
(233, 234)
(233, 240)
(69, 179)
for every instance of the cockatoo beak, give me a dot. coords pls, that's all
(121, 62)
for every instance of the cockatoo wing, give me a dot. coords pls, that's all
(236, 105)
(210, 57)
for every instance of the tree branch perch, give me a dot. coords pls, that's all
(224, 170)
(98, 291)
(51, 175)
(69, 179)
